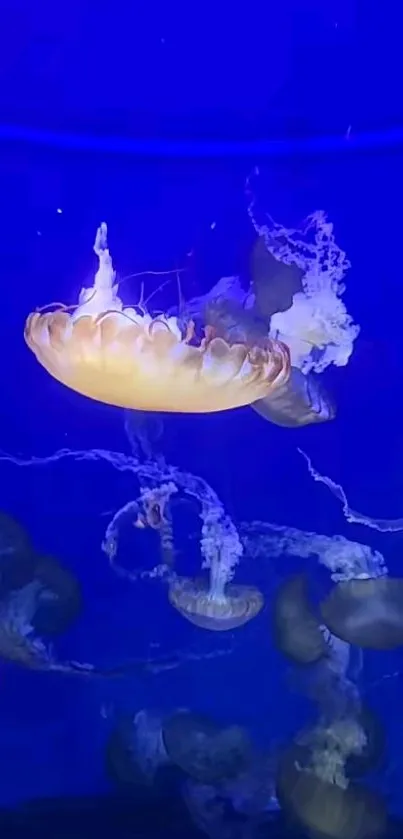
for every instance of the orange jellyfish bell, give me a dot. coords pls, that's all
(127, 358)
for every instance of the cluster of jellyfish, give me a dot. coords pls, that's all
(262, 346)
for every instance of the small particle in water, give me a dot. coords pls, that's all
(162, 40)
(213, 225)
(348, 133)
(59, 211)
(38, 233)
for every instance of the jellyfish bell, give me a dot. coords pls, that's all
(366, 612)
(125, 357)
(203, 750)
(135, 751)
(298, 402)
(195, 601)
(297, 631)
(327, 810)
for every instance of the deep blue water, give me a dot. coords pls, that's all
(187, 210)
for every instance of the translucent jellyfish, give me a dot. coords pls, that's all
(298, 401)
(203, 750)
(312, 320)
(330, 743)
(215, 608)
(124, 356)
(313, 792)
(135, 751)
(18, 640)
(366, 612)
(297, 631)
(214, 603)
(355, 737)
(302, 399)
(218, 605)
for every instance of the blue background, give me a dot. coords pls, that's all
(152, 120)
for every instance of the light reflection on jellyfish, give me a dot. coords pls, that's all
(124, 356)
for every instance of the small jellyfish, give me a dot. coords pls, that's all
(218, 604)
(203, 750)
(366, 612)
(135, 751)
(297, 631)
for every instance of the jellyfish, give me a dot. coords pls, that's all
(135, 751)
(213, 608)
(355, 736)
(366, 612)
(312, 318)
(18, 640)
(124, 356)
(217, 605)
(313, 791)
(203, 750)
(297, 631)
(298, 401)
(214, 603)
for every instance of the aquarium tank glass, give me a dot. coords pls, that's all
(201, 456)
